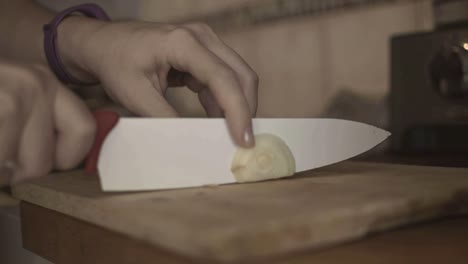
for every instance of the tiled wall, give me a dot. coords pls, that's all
(170, 10)
(116, 8)
(335, 64)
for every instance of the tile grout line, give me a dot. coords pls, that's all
(264, 11)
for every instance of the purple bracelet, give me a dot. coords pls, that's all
(50, 39)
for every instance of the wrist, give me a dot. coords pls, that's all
(75, 47)
(71, 45)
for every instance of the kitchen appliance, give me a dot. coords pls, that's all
(429, 85)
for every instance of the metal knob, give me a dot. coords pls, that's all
(449, 71)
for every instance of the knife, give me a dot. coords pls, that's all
(137, 154)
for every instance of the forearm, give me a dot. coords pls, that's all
(21, 36)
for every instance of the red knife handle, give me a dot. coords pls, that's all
(105, 121)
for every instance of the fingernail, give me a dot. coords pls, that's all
(249, 139)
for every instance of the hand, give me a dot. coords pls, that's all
(42, 124)
(136, 62)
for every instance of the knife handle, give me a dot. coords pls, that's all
(105, 122)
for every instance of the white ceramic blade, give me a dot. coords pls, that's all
(152, 154)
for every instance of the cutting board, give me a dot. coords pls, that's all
(314, 209)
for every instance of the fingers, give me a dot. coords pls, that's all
(209, 103)
(246, 76)
(10, 126)
(36, 149)
(26, 132)
(140, 95)
(10, 129)
(207, 100)
(75, 128)
(206, 97)
(205, 66)
(33, 107)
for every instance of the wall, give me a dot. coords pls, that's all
(334, 64)
(154, 10)
(115, 8)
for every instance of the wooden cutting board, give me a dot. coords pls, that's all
(314, 209)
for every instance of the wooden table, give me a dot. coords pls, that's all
(378, 200)
(64, 239)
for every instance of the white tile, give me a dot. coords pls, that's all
(117, 9)
(179, 9)
(303, 63)
(360, 47)
(287, 58)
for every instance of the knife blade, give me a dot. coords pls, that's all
(153, 154)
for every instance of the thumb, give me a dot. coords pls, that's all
(75, 128)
